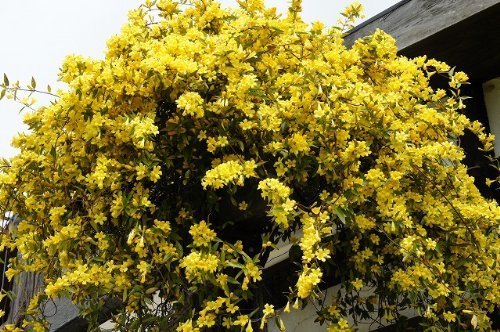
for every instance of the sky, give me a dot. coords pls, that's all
(37, 35)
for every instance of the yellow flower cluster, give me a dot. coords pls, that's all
(279, 196)
(196, 263)
(252, 272)
(229, 172)
(157, 163)
(191, 103)
(313, 228)
(202, 234)
(308, 279)
(83, 275)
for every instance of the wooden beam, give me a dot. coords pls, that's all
(411, 21)
(26, 285)
(73, 322)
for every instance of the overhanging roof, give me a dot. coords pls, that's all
(464, 33)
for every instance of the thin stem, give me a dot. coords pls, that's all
(29, 90)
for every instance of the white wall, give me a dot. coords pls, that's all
(491, 91)
(303, 320)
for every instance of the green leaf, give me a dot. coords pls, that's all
(341, 214)
(151, 290)
(5, 80)
(94, 225)
(2, 94)
(241, 145)
(235, 265)
(10, 296)
(33, 83)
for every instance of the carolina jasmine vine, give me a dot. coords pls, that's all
(165, 173)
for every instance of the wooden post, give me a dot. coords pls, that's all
(26, 285)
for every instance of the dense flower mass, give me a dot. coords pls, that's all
(166, 172)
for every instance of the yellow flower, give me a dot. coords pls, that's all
(243, 206)
(187, 326)
(449, 316)
(357, 284)
(167, 7)
(268, 310)
(242, 320)
(144, 269)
